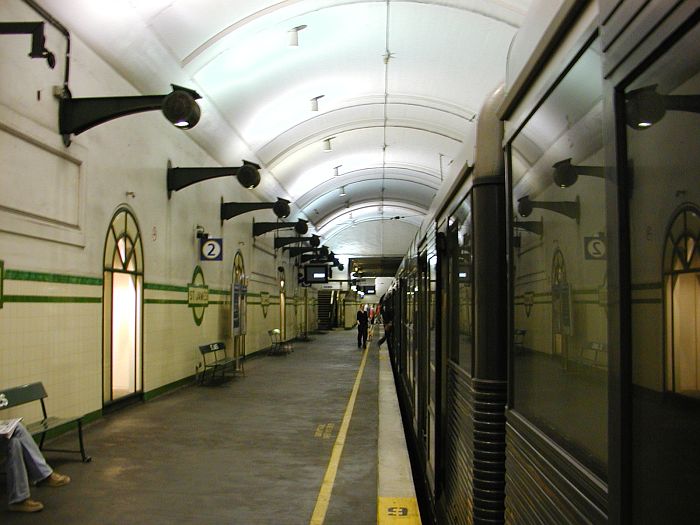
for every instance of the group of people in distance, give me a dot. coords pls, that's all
(367, 315)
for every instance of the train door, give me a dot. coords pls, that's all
(431, 415)
(420, 393)
(123, 309)
(456, 445)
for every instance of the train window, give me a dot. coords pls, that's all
(662, 115)
(461, 266)
(559, 265)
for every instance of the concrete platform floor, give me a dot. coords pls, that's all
(253, 450)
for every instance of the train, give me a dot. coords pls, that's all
(546, 341)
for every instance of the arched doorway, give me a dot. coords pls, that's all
(682, 302)
(239, 304)
(561, 307)
(122, 309)
(283, 301)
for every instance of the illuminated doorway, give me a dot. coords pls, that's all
(561, 307)
(239, 306)
(682, 302)
(283, 317)
(123, 309)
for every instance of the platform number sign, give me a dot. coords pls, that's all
(595, 248)
(211, 249)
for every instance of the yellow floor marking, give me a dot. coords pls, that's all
(328, 432)
(393, 511)
(324, 495)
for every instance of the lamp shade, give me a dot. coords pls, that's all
(180, 108)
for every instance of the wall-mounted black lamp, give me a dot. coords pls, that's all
(314, 241)
(301, 227)
(247, 174)
(644, 107)
(36, 29)
(231, 209)
(566, 174)
(536, 227)
(571, 209)
(76, 115)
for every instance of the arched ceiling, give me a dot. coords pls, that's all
(397, 84)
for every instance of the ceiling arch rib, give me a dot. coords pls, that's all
(200, 42)
(332, 186)
(370, 208)
(334, 133)
(311, 166)
(435, 117)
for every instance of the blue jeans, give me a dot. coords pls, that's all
(25, 463)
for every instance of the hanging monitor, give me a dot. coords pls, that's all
(316, 273)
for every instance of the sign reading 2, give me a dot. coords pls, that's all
(211, 249)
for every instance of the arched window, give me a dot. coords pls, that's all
(122, 308)
(682, 301)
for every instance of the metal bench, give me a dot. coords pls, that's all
(277, 346)
(594, 354)
(215, 359)
(20, 395)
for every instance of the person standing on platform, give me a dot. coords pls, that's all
(388, 319)
(362, 321)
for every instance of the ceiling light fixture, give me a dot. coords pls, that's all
(294, 35)
(342, 191)
(327, 146)
(336, 173)
(314, 102)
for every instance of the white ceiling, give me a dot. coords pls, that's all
(400, 83)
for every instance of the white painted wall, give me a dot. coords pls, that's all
(56, 204)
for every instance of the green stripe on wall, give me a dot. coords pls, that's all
(165, 301)
(164, 287)
(49, 299)
(17, 275)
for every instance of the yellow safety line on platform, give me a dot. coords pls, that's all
(324, 495)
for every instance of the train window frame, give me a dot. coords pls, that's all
(654, 416)
(455, 354)
(550, 437)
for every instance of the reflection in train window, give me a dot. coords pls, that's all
(662, 110)
(559, 266)
(461, 276)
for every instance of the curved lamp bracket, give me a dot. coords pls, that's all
(571, 209)
(314, 241)
(248, 175)
(259, 228)
(232, 209)
(536, 227)
(36, 29)
(76, 115)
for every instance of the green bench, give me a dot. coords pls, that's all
(215, 359)
(20, 395)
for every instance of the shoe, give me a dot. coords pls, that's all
(28, 505)
(56, 480)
